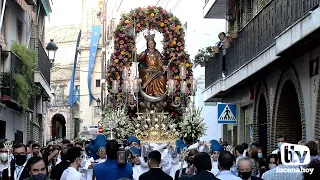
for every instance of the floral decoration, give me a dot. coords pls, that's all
(150, 18)
(117, 122)
(193, 125)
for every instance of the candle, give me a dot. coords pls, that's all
(126, 87)
(184, 87)
(135, 85)
(183, 71)
(171, 86)
(125, 73)
(114, 86)
(194, 86)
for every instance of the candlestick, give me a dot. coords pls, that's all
(194, 86)
(184, 87)
(126, 86)
(125, 73)
(183, 70)
(115, 87)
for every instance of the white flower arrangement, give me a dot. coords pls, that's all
(118, 123)
(192, 124)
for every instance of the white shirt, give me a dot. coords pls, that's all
(2, 167)
(227, 175)
(18, 171)
(275, 151)
(137, 171)
(215, 169)
(90, 171)
(71, 174)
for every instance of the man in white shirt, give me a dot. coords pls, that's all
(74, 155)
(225, 162)
(281, 139)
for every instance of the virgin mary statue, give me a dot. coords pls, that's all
(152, 69)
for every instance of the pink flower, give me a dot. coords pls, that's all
(120, 56)
(112, 69)
(176, 70)
(190, 77)
(121, 64)
(121, 69)
(126, 59)
(179, 54)
(121, 46)
(164, 12)
(170, 36)
(122, 35)
(140, 14)
(181, 48)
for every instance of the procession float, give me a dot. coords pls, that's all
(151, 95)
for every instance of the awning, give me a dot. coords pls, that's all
(47, 7)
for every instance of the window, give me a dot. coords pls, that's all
(97, 82)
(77, 87)
(19, 31)
(248, 127)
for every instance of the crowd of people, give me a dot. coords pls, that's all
(104, 159)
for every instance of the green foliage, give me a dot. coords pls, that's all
(202, 56)
(23, 81)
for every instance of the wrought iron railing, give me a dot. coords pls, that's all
(8, 86)
(259, 34)
(44, 63)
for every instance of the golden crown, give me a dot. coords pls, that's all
(153, 127)
(149, 37)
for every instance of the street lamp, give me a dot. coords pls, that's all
(52, 49)
(98, 102)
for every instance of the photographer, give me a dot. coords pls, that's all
(189, 170)
(110, 168)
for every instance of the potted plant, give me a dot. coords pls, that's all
(226, 44)
(201, 57)
(229, 37)
(234, 34)
(210, 51)
(215, 49)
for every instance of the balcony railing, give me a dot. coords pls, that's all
(8, 87)
(44, 63)
(259, 34)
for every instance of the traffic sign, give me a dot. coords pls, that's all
(227, 113)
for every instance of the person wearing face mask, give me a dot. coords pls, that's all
(3, 158)
(244, 169)
(37, 168)
(74, 156)
(272, 161)
(281, 139)
(18, 170)
(202, 165)
(137, 168)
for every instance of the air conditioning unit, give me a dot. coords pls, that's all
(31, 2)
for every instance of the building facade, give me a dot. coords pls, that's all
(271, 69)
(62, 121)
(22, 24)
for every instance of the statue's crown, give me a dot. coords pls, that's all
(149, 37)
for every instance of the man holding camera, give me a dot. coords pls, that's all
(113, 168)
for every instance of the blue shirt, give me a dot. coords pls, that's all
(110, 170)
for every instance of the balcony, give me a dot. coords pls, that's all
(261, 41)
(8, 90)
(42, 72)
(215, 9)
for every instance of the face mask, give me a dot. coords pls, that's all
(279, 144)
(260, 155)
(4, 157)
(244, 175)
(39, 177)
(272, 166)
(20, 159)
